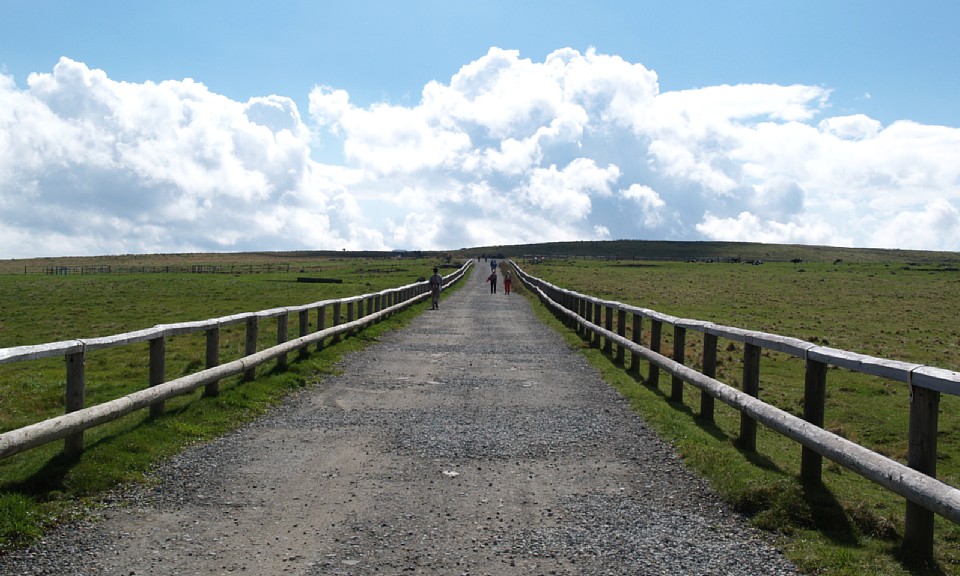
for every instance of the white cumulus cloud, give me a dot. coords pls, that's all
(581, 145)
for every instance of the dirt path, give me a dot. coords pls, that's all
(471, 442)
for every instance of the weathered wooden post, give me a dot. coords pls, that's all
(321, 324)
(814, 404)
(576, 321)
(636, 329)
(597, 319)
(679, 355)
(586, 313)
(608, 326)
(709, 369)
(75, 398)
(751, 386)
(158, 369)
(922, 457)
(304, 331)
(656, 327)
(282, 321)
(621, 331)
(336, 319)
(213, 359)
(567, 301)
(250, 346)
(350, 316)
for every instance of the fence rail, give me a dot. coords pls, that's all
(176, 269)
(916, 482)
(359, 312)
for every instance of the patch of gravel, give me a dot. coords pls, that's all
(471, 442)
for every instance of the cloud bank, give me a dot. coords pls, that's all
(580, 146)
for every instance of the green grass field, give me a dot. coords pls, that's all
(888, 310)
(883, 303)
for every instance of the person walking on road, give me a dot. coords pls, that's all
(492, 279)
(436, 284)
(507, 281)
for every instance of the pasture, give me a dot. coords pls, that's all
(889, 310)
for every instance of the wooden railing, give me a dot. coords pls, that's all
(925, 495)
(347, 315)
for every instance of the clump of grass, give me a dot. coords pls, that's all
(22, 520)
(777, 507)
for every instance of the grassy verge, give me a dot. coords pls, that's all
(851, 526)
(40, 488)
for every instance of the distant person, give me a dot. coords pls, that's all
(493, 265)
(492, 279)
(507, 280)
(436, 284)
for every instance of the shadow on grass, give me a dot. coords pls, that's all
(914, 566)
(46, 480)
(828, 516)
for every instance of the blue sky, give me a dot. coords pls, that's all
(792, 122)
(905, 56)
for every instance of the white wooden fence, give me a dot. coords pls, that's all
(360, 311)
(925, 495)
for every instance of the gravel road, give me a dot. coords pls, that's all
(470, 442)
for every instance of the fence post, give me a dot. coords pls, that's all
(213, 359)
(621, 331)
(656, 327)
(158, 369)
(709, 369)
(586, 312)
(304, 330)
(76, 392)
(814, 401)
(608, 326)
(336, 319)
(350, 315)
(250, 346)
(282, 321)
(597, 319)
(636, 329)
(679, 355)
(751, 386)
(321, 324)
(922, 457)
(569, 302)
(577, 308)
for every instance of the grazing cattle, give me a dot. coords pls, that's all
(797, 260)
(838, 261)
